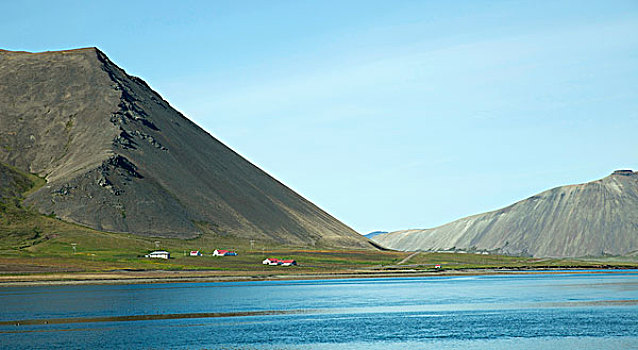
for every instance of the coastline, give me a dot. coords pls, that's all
(153, 277)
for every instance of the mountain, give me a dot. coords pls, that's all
(591, 219)
(117, 157)
(374, 233)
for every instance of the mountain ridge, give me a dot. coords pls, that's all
(117, 157)
(590, 219)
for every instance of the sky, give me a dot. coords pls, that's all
(389, 115)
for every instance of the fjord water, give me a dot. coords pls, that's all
(585, 310)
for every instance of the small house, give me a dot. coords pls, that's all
(222, 252)
(271, 262)
(437, 266)
(159, 254)
(195, 253)
(288, 262)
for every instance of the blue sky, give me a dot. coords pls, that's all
(388, 114)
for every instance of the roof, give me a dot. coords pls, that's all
(221, 251)
(287, 261)
(160, 252)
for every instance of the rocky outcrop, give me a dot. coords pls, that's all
(591, 219)
(117, 157)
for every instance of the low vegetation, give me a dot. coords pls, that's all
(31, 243)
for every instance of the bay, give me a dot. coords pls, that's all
(584, 310)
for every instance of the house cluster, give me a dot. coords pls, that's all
(279, 262)
(162, 254)
(217, 252)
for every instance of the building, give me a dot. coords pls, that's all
(195, 253)
(222, 252)
(288, 262)
(282, 262)
(271, 262)
(159, 254)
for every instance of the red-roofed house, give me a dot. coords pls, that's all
(222, 252)
(271, 262)
(288, 262)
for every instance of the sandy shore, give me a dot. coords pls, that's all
(143, 277)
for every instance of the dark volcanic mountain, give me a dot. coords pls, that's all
(117, 157)
(591, 219)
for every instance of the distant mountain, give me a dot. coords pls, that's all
(591, 219)
(375, 233)
(117, 157)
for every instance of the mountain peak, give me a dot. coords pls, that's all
(624, 172)
(82, 50)
(117, 157)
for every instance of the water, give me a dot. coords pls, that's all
(591, 310)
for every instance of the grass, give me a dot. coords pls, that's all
(98, 251)
(34, 243)
(455, 261)
(104, 252)
(19, 226)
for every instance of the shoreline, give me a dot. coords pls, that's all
(153, 277)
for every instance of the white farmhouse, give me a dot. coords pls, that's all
(159, 254)
(271, 262)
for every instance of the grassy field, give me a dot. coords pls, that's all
(480, 261)
(97, 251)
(34, 244)
(110, 252)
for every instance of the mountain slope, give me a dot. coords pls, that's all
(119, 158)
(591, 219)
(17, 227)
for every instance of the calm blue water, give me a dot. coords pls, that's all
(536, 311)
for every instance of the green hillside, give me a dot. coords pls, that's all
(30, 238)
(34, 243)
